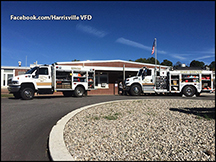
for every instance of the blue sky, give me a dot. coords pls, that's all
(125, 30)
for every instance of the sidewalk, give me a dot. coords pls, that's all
(4, 91)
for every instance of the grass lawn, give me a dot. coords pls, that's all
(6, 95)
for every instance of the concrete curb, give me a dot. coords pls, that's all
(57, 148)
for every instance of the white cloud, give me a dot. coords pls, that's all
(132, 43)
(181, 57)
(178, 56)
(208, 51)
(136, 44)
(162, 52)
(204, 57)
(91, 30)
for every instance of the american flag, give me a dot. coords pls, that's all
(153, 47)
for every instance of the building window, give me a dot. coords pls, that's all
(96, 80)
(6, 77)
(4, 83)
(101, 80)
(21, 72)
(8, 70)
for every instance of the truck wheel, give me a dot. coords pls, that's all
(17, 95)
(135, 90)
(189, 91)
(27, 93)
(79, 91)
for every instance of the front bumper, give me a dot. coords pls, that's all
(13, 88)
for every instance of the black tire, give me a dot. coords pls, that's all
(189, 91)
(135, 90)
(17, 95)
(79, 91)
(27, 93)
(68, 94)
(197, 94)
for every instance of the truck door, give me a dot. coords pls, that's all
(43, 78)
(147, 81)
(147, 77)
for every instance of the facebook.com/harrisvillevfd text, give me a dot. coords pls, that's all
(51, 17)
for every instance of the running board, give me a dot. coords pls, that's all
(148, 89)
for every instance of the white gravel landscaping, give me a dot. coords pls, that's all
(147, 130)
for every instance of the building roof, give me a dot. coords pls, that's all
(14, 67)
(111, 63)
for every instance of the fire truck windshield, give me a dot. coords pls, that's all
(31, 70)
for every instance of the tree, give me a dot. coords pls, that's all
(195, 63)
(75, 60)
(178, 64)
(167, 63)
(152, 61)
(149, 60)
(212, 66)
(143, 60)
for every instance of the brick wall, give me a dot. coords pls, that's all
(19, 70)
(112, 90)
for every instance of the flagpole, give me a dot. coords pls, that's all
(155, 52)
(155, 60)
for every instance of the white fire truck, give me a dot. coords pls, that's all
(185, 82)
(47, 79)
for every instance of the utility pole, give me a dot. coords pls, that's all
(26, 61)
(123, 73)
